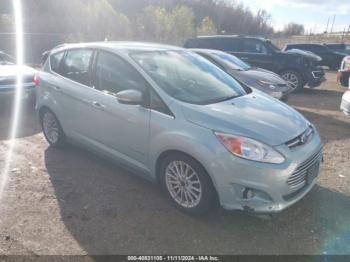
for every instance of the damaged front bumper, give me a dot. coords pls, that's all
(269, 188)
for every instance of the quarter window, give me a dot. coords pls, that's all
(113, 75)
(55, 62)
(77, 64)
(157, 104)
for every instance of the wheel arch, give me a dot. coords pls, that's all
(166, 153)
(292, 69)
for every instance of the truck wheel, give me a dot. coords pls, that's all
(294, 79)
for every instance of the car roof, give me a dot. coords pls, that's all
(119, 46)
(206, 51)
(334, 44)
(230, 36)
(303, 44)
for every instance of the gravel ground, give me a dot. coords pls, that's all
(72, 202)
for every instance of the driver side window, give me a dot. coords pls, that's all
(254, 46)
(113, 74)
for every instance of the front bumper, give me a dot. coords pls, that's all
(345, 104)
(8, 93)
(343, 78)
(314, 77)
(266, 188)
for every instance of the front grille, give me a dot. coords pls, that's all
(302, 139)
(300, 174)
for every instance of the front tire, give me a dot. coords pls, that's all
(187, 184)
(294, 79)
(52, 129)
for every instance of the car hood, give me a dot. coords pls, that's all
(255, 115)
(12, 70)
(304, 53)
(252, 76)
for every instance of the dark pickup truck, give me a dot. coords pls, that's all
(297, 69)
(330, 58)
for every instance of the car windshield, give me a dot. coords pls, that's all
(188, 77)
(272, 46)
(6, 59)
(231, 61)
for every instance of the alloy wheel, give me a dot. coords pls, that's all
(51, 127)
(292, 79)
(183, 184)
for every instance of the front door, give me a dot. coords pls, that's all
(255, 53)
(122, 129)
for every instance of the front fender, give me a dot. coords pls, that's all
(200, 143)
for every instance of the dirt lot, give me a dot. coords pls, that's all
(72, 202)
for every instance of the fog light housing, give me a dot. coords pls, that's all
(250, 194)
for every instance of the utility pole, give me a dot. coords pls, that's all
(333, 23)
(327, 25)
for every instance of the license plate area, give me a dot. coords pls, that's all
(313, 172)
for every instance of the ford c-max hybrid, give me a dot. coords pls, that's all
(179, 120)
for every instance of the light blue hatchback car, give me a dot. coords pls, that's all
(177, 119)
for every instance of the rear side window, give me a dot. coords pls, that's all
(76, 66)
(55, 62)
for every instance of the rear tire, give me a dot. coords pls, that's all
(52, 129)
(187, 184)
(294, 79)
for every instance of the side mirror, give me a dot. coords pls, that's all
(130, 97)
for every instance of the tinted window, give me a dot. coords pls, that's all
(188, 77)
(5, 58)
(113, 75)
(55, 62)
(231, 61)
(224, 44)
(77, 64)
(254, 46)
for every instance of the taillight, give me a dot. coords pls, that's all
(36, 80)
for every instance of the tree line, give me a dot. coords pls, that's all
(169, 21)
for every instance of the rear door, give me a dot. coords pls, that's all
(75, 88)
(255, 53)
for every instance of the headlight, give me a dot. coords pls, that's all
(250, 149)
(267, 84)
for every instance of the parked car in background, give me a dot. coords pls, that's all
(263, 80)
(330, 58)
(344, 72)
(297, 69)
(178, 119)
(345, 103)
(342, 47)
(8, 80)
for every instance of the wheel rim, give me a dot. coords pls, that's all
(183, 184)
(50, 127)
(292, 79)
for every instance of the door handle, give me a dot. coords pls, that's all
(244, 58)
(58, 89)
(98, 105)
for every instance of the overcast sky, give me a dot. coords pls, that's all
(312, 13)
